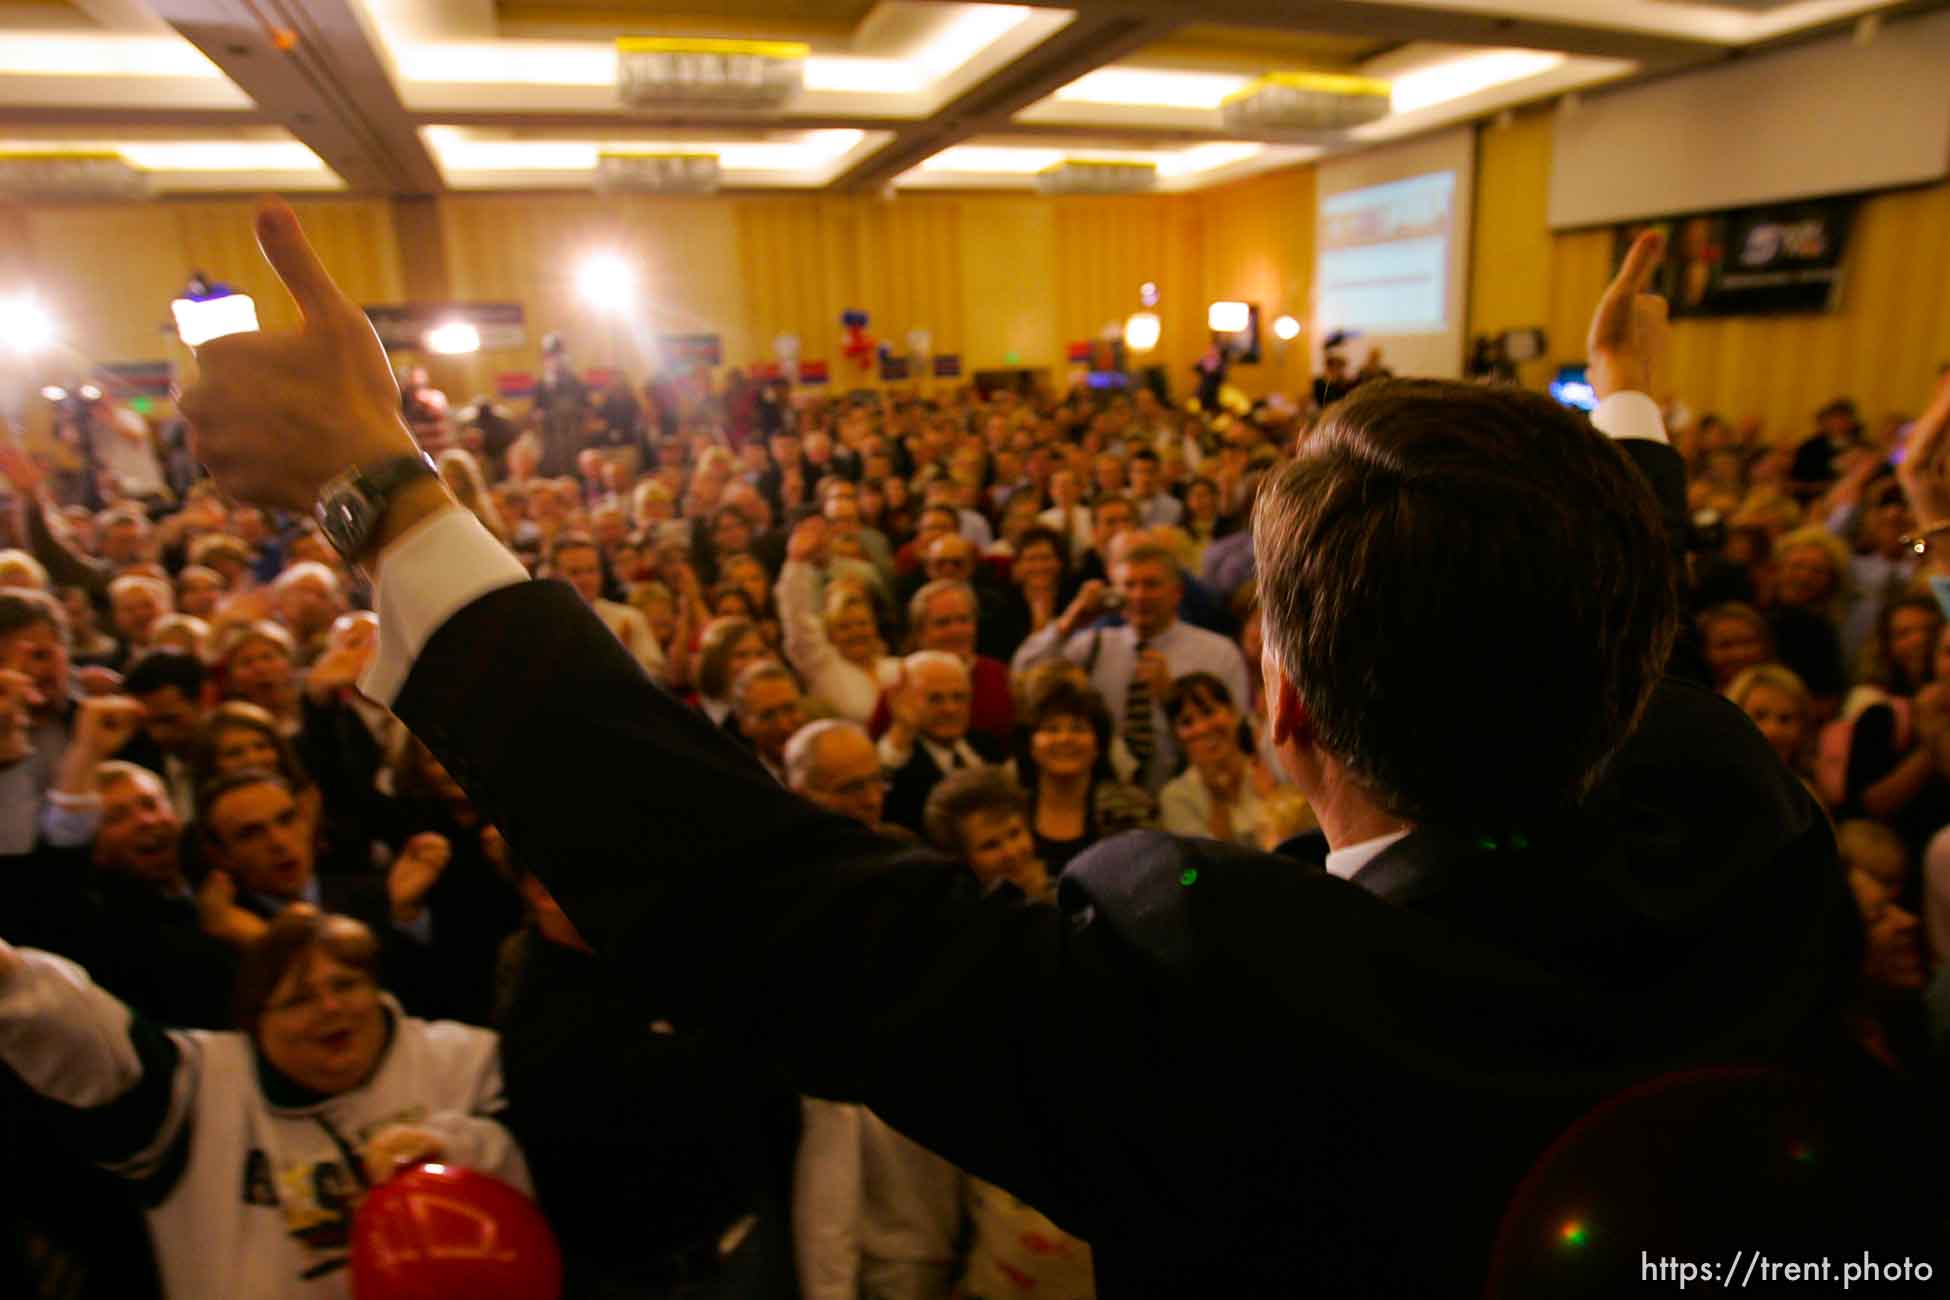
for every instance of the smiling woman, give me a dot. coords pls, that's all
(327, 1089)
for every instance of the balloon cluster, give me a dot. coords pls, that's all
(855, 343)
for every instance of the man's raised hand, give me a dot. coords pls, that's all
(276, 416)
(1629, 329)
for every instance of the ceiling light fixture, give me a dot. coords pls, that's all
(1143, 330)
(1439, 83)
(1152, 88)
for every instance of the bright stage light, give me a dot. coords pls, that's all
(453, 338)
(1286, 329)
(25, 325)
(607, 283)
(55, 393)
(1142, 331)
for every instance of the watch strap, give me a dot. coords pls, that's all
(383, 478)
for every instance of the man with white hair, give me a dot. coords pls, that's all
(309, 598)
(929, 735)
(834, 763)
(766, 696)
(135, 602)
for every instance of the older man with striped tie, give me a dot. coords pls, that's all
(1133, 665)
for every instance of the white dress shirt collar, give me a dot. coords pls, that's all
(1347, 863)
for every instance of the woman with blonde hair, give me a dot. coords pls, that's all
(832, 641)
(1779, 703)
(1811, 571)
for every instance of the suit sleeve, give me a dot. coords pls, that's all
(865, 968)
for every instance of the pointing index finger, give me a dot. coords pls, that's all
(291, 255)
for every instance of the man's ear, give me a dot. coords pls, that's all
(1286, 714)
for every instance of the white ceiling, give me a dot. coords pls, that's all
(422, 96)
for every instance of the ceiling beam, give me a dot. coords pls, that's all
(1400, 23)
(1087, 43)
(120, 117)
(331, 88)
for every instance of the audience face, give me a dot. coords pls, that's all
(258, 834)
(748, 651)
(41, 652)
(135, 609)
(243, 748)
(1807, 578)
(730, 534)
(1781, 720)
(1912, 639)
(997, 846)
(140, 835)
(945, 697)
(307, 604)
(324, 1025)
(582, 568)
(197, 593)
(1208, 732)
(123, 541)
(952, 558)
(1202, 502)
(1113, 519)
(772, 711)
(853, 633)
(1144, 479)
(261, 672)
(1892, 960)
(1110, 475)
(936, 523)
(1064, 746)
(170, 719)
(1150, 591)
(1731, 646)
(948, 624)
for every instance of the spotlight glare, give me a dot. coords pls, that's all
(90, 393)
(1142, 331)
(55, 393)
(24, 325)
(453, 338)
(1228, 317)
(1286, 329)
(606, 282)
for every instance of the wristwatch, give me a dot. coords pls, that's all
(350, 507)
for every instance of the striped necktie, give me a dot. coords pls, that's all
(1138, 736)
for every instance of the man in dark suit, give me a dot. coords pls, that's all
(1550, 876)
(928, 736)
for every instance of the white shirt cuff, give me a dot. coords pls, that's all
(439, 567)
(1630, 415)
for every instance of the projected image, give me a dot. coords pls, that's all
(1384, 256)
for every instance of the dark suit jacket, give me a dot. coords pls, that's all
(909, 788)
(1233, 1074)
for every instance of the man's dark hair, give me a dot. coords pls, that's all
(159, 670)
(1044, 535)
(213, 791)
(1144, 454)
(21, 609)
(1473, 592)
(964, 794)
(571, 542)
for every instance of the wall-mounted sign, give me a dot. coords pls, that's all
(1750, 261)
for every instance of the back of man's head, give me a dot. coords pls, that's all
(1472, 592)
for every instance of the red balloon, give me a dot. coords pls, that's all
(435, 1231)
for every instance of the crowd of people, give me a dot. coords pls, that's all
(1009, 624)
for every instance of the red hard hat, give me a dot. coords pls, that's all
(434, 1231)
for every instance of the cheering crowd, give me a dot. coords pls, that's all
(1008, 624)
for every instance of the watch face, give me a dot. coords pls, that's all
(346, 518)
